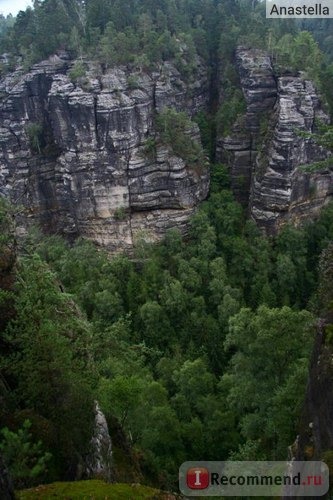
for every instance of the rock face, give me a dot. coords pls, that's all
(265, 148)
(82, 156)
(99, 463)
(239, 149)
(316, 435)
(74, 155)
(315, 439)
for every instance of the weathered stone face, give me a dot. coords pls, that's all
(265, 149)
(258, 83)
(281, 190)
(99, 460)
(239, 149)
(316, 432)
(89, 171)
(89, 174)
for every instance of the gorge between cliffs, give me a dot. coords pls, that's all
(100, 169)
(166, 243)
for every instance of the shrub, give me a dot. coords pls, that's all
(77, 71)
(149, 147)
(175, 131)
(120, 213)
(34, 132)
(132, 82)
(26, 460)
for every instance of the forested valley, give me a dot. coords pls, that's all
(198, 347)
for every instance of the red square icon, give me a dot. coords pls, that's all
(197, 478)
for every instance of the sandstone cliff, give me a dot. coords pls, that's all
(315, 438)
(82, 156)
(74, 153)
(265, 149)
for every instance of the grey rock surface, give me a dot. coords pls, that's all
(73, 154)
(266, 150)
(99, 462)
(239, 148)
(281, 189)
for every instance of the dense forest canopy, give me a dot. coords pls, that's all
(197, 337)
(143, 33)
(174, 343)
(123, 32)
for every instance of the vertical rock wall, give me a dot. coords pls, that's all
(266, 149)
(74, 155)
(77, 157)
(99, 462)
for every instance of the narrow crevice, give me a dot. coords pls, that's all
(214, 98)
(214, 63)
(96, 121)
(154, 96)
(16, 137)
(128, 156)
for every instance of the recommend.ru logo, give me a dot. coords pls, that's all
(264, 478)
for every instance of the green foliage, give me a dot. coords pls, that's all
(120, 213)
(27, 462)
(219, 178)
(325, 289)
(88, 489)
(6, 23)
(149, 148)
(263, 379)
(144, 34)
(298, 53)
(175, 129)
(6, 225)
(192, 339)
(306, 53)
(49, 343)
(325, 84)
(7, 262)
(133, 82)
(250, 450)
(323, 137)
(207, 131)
(77, 72)
(233, 107)
(329, 335)
(35, 135)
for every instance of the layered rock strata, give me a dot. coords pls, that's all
(239, 148)
(74, 152)
(281, 188)
(267, 148)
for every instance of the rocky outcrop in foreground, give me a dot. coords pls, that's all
(99, 461)
(76, 151)
(315, 441)
(266, 149)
